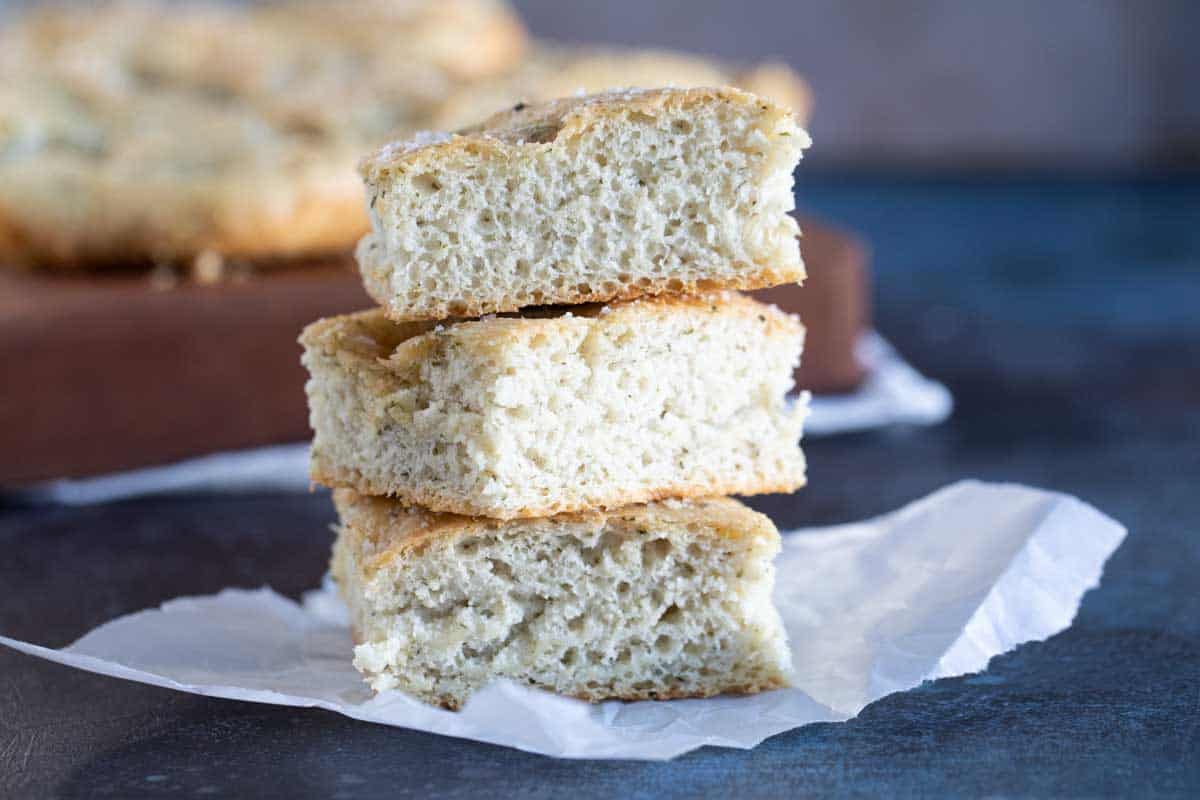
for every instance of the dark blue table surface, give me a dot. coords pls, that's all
(1064, 315)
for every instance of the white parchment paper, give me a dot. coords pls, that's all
(933, 590)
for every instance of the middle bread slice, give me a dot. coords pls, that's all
(560, 409)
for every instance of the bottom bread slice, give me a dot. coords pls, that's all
(664, 600)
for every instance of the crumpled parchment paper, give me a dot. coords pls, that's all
(933, 590)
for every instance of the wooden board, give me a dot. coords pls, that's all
(108, 372)
(835, 305)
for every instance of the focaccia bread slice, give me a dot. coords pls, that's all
(576, 408)
(586, 199)
(658, 601)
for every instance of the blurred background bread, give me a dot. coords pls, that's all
(140, 132)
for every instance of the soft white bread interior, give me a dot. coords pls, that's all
(586, 199)
(564, 410)
(666, 600)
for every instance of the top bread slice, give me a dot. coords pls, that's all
(586, 199)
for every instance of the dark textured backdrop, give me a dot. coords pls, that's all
(1068, 83)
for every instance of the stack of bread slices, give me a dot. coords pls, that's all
(531, 439)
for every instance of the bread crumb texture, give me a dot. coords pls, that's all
(654, 601)
(596, 406)
(585, 199)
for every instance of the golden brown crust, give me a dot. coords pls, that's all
(669, 694)
(443, 502)
(452, 704)
(123, 223)
(382, 530)
(564, 118)
(186, 130)
(368, 335)
(781, 83)
(371, 336)
(569, 116)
